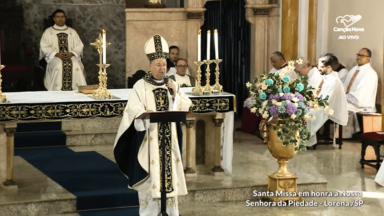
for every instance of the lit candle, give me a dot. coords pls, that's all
(104, 47)
(208, 44)
(216, 44)
(199, 46)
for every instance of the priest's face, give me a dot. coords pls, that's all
(158, 67)
(174, 54)
(326, 69)
(59, 19)
(363, 57)
(181, 67)
(303, 70)
(277, 62)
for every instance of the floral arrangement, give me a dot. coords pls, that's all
(289, 100)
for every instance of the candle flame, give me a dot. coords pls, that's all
(104, 31)
(209, 31)
(199, 32)
(215, 30)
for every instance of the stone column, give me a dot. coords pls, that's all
(195, 19)
(289, 28)
(191, 146)
(10, 130)
(217, 163)
(258, 12)
(312, 31)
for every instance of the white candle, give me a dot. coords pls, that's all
(216, 44)
(104, 47)
(208, 44)
(199, 46)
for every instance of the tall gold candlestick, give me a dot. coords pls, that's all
(207, 87)
(198, 88)
(102, 92)
(3, 97)
(217, 86)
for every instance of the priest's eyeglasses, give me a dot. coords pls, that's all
(182, 66)
(360, 55)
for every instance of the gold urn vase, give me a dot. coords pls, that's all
(282, 183)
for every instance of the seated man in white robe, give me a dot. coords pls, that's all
(338, 68)
(181, 78)
(171, 61)
(334, 90)
(62, 48)
(137, 151)
(315, 79)
(278, 62)
(361, 88)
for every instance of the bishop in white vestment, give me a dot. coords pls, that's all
(361, 88)
(333, 88)
(137, 146)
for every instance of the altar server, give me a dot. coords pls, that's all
(62, 48)
(181, 78)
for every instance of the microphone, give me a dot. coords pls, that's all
(166, 79)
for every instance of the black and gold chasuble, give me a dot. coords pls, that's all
(191, 79)
(67, 63)
(162, 104)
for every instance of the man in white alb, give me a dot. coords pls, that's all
(278, 62)
(181, 78)
(62, 48)
(332, 87)
(361, 88)
(306, 69)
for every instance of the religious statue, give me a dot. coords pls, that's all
(155, 1)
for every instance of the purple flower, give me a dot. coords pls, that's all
(274, 97)
(286, 97)
(291, 109)
(299, 96)
(274, 111)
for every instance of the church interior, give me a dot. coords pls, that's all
(64, 101)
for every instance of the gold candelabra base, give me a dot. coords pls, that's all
(102, 92)
(3, 97)
(198, 89)
(217, 86)
(207, 87)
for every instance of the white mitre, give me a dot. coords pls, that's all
(156, 48)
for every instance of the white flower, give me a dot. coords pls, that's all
(313, 117)
(274, 101)
(299, 61)
(294, 99)
(265, 103)
(288, 102)
(261, 111)
(291, 63)
(281, 94)
(248, 84)
(296, 104)
(330, 112)
(279, 104)
(281, 75)
(253, 110)
(326, 108)
(293, 116)
(264, 86)
(316, 106)
(260, 91)
(306, 116)
(265, 115)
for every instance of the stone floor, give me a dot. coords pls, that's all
(252, 162)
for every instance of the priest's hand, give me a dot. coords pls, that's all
(60, 55)
(173, 87)
(68, 55)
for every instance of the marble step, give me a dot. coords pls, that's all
(90, 132)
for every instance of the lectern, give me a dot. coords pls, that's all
(164, 117)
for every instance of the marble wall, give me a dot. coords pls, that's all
(89, 17)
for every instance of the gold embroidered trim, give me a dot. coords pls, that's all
(66, 63)
(162, 104)
(209, 105)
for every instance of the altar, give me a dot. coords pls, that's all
(216, 111)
